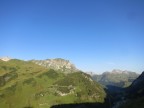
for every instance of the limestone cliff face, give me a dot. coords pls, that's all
(57, 64)
(5, 58)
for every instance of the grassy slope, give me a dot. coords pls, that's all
(25, 84)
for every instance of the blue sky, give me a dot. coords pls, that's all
(96, 35)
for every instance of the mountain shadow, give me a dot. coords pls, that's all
(107, 104)
(112, 88)
(28, 107)
(113, 96)
(135, 94)
(82, 105)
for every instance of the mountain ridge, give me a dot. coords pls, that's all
(57, 64)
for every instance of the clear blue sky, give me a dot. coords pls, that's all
(96, 35)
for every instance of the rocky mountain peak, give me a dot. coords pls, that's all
(5, 58)
(57, 64)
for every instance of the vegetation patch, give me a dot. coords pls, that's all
(10, 90)
(50, 74)
(10, 76)
(29, 81)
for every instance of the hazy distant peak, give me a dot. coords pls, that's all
(5, 58)
(118, 71)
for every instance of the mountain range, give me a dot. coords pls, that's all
(116, 77)
(57, 83)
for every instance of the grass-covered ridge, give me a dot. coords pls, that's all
(24, 84)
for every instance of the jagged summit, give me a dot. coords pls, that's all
(5, 58)
(57, 64)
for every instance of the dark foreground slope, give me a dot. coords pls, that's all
(24, 84)
(135, 94)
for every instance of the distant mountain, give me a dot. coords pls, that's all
(123, 87)
(116, 78)
(57, 64)
(24, 84)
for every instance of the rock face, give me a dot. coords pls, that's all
(5, 58)
(57, 64)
